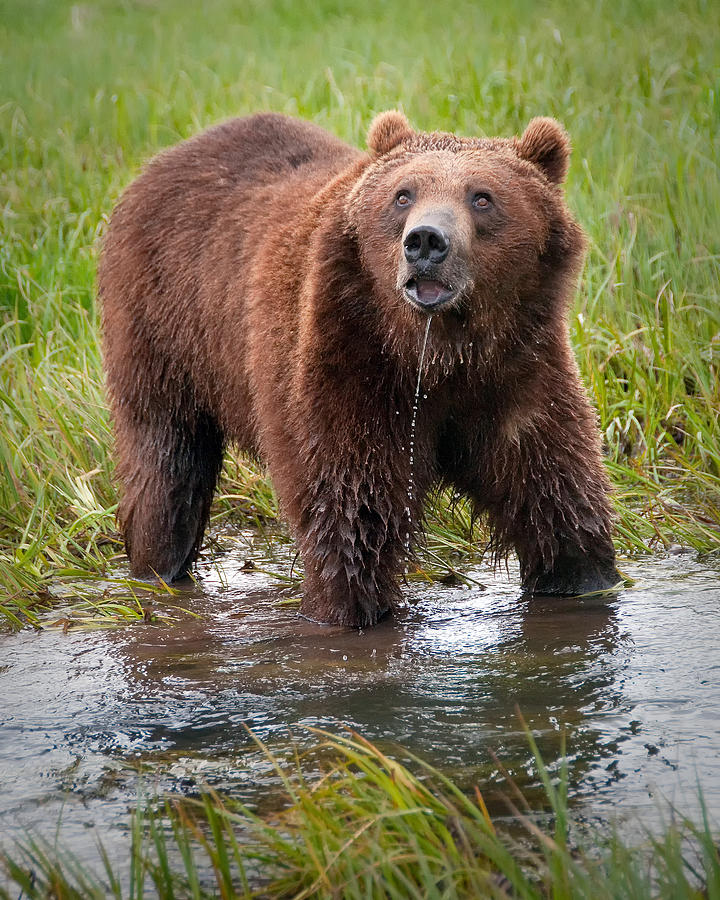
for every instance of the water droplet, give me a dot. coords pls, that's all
(413, 422)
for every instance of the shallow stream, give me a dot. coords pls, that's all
(633, 683)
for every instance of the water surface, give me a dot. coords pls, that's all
(632, 683)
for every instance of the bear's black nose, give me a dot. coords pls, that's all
(425, 242)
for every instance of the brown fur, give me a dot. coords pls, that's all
(254, 290)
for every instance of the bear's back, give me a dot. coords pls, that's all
(259, 149)
(185, 191)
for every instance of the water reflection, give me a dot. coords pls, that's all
(632, 684)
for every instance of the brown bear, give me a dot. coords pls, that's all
(267, 284)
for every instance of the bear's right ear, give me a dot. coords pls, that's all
(386, 131)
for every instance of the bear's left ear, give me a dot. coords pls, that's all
(386, 131)
(546, 144)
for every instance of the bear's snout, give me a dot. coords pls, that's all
(432, 271)
(426, 243)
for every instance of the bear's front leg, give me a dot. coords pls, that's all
(575, 569)
(352, 542)
(547, 494)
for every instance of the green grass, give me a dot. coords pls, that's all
(371, 827)
(91, 90)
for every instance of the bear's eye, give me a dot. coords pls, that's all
(403, 199)
(482, 201)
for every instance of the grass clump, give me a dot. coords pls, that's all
(373, 827)
(90, 91)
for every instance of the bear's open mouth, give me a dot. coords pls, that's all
(428, 294)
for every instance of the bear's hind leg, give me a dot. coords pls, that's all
(169, 470)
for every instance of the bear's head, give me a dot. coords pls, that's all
(465, 227)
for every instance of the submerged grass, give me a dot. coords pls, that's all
(92, 90)
(370, 826)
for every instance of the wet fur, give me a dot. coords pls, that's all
(238, 306)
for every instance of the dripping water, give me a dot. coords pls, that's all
(411, 477)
